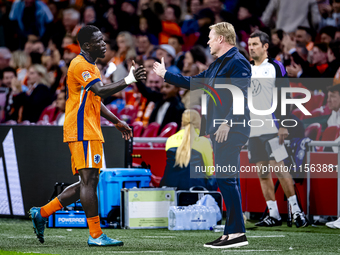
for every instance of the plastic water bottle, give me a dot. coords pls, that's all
(172, 218)
(187, 218)
(207, 216)
(217, 228)
(193, 217)
(180, 218)
(211, 217)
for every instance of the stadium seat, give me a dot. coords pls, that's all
(298, 113)
(155, 181)
(315, 101)
(313, 131)
(50, 113)
(128, 114)
(137, 128)
(315, 113)
(318, 99)
(326, 110)
(104, 122)
(169, 130)
(330, 134)
(113, 108)
(151, 130)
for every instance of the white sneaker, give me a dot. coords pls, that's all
(336, 223)
(333, 224)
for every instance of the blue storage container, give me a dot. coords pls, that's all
(67, 219)
(112, 180)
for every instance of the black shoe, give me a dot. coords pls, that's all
(269, 222)
(300, 220)
(233, 243)
(213, 242)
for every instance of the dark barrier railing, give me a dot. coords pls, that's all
(34, 158)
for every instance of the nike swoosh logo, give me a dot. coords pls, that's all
(99, 243)
(96, 222)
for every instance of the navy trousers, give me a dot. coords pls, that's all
(227, 167)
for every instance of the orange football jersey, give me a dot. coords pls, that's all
(82, 114)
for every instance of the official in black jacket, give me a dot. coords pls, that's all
(226, 121)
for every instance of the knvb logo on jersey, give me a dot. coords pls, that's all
(238, 104)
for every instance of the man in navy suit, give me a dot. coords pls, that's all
(232, 130)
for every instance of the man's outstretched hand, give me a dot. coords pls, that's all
(139, 73)
(125, 129)
(222, 133)
(159, 68)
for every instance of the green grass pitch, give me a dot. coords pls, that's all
(17, 237)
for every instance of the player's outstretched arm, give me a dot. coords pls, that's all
(119, 124)
(106, 90)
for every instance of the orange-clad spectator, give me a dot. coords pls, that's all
(169, 24)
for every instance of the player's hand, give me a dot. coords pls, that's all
(139, 73)
(283, 134)
(125, 129)
(222, 133)
(159, 68)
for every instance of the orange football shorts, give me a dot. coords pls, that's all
(86, 154)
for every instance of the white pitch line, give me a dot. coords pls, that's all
(135, 252)
(33, 236)
(247, 250)
(159, 236)
(265, 236)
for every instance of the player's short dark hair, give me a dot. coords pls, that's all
(153, 58)
(321, 46)
(264, 38)
(334, 88)
(280, 33)
(198, 54)
(179, 39)
(7, 69)
(334, 46)
(328, 30)
(85, 34)
(308, 31)
(177, 10)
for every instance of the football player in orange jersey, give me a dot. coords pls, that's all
(83, 133)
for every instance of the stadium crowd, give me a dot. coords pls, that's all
(38, 42)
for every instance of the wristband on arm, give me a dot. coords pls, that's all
(130, 78)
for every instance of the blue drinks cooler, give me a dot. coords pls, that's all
(67, 219)
(111, 181)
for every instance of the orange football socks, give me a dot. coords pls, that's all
(50, 208)
(94, 226)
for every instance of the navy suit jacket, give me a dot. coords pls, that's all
(231, 68)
